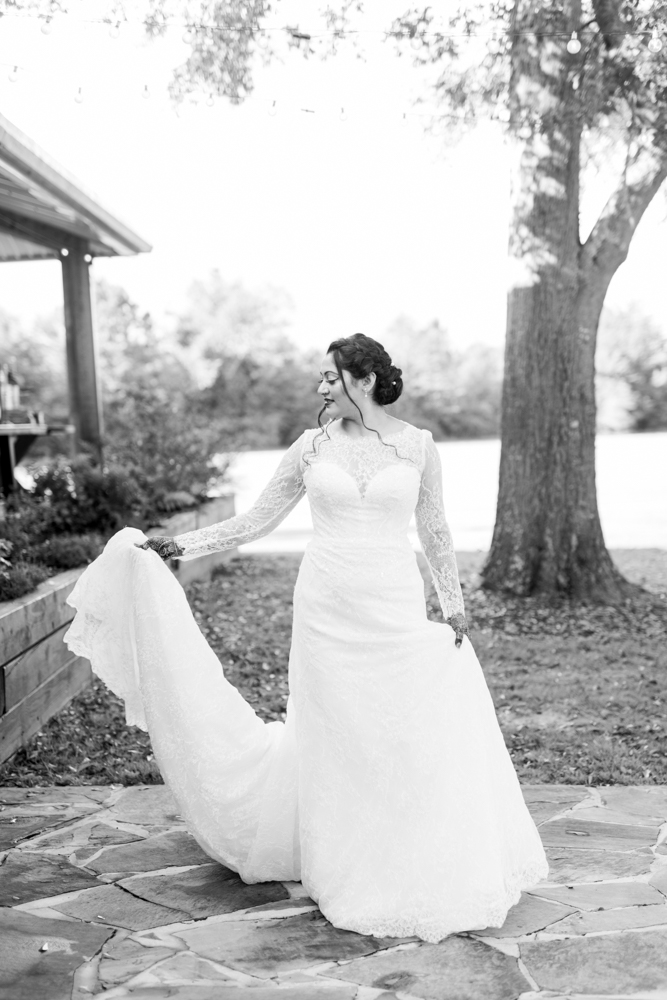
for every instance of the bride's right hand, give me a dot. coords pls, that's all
(459, 624)
(166, 547)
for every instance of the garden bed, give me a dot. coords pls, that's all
(579, 691)
(38, 673)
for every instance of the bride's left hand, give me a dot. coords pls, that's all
(459, 624)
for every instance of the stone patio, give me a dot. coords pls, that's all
(103, 891)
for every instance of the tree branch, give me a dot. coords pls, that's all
(607, 246)
(608, 17)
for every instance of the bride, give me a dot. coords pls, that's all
(388, 791)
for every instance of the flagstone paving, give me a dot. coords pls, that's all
(103, 892)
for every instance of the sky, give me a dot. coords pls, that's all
(351, 207)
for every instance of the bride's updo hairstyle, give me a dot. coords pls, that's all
(360, 355)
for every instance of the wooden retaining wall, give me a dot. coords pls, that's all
(38, 673)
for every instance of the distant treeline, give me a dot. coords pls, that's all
(227, 376)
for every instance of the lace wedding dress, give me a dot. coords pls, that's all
(388, 791)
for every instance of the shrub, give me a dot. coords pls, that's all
(20, 579)
(68, 551)
(78, 497)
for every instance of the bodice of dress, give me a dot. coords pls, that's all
(362, 491)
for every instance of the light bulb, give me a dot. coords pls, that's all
(416, 42)
(575, 83)
(88, 258)
(13, 74)
(145, 93)
(404, 118)
(64, 252)
(187, 36)
(46, 26)
(655, 42)
(574, 45)
(343, 115)
(273, 111)
(261, 38)
(78, 97)
(210, 101)
(114, 30)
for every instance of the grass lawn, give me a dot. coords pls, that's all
(580, 693)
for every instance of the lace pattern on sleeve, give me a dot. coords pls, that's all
(277, 499)
(434, 534)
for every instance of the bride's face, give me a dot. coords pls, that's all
(331, 391)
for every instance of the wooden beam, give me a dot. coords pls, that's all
(84, 395)
(29, 163)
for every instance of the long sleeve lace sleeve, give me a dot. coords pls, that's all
(434, 534)
(277, 499)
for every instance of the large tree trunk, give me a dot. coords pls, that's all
(547, 536)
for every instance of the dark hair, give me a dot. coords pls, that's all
(360, 355)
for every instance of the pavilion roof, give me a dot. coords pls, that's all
(42, 207)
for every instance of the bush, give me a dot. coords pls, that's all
(20, 579)
(68, 551)
(64, 522)
(77, 497)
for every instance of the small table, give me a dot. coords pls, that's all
(15, 439)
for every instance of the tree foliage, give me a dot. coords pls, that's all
(632, 357)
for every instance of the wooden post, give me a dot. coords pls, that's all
(84, 395)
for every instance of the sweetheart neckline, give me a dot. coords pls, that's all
(362, 496)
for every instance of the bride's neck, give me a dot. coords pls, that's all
(375, 420)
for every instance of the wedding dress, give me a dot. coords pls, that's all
(388, 791)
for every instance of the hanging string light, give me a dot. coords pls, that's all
(13, 74)
(655, 42)
(574, 45)
(46, 26)
(78, 97)
(273, 111)
(114, 30)
(343, 115)
(210, 101)
(145, 93)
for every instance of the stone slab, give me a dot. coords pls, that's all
(14, 829)
(204, 891)
(188, 968)
(658, 879)
(638, 800)
(545, 801)
(26, 877)
(603, 814)
(175, 847)
(602, 895)
(110, 905)
(86, 838)
(282, 906)
(264, 948)
(26, 973)
(587, 835)
(457, 968)
(529, 915)
(627, 918)
(594, 866)
(87, 797)
(608, 963)
(128, 959)
(307, 991)
(147, 806)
